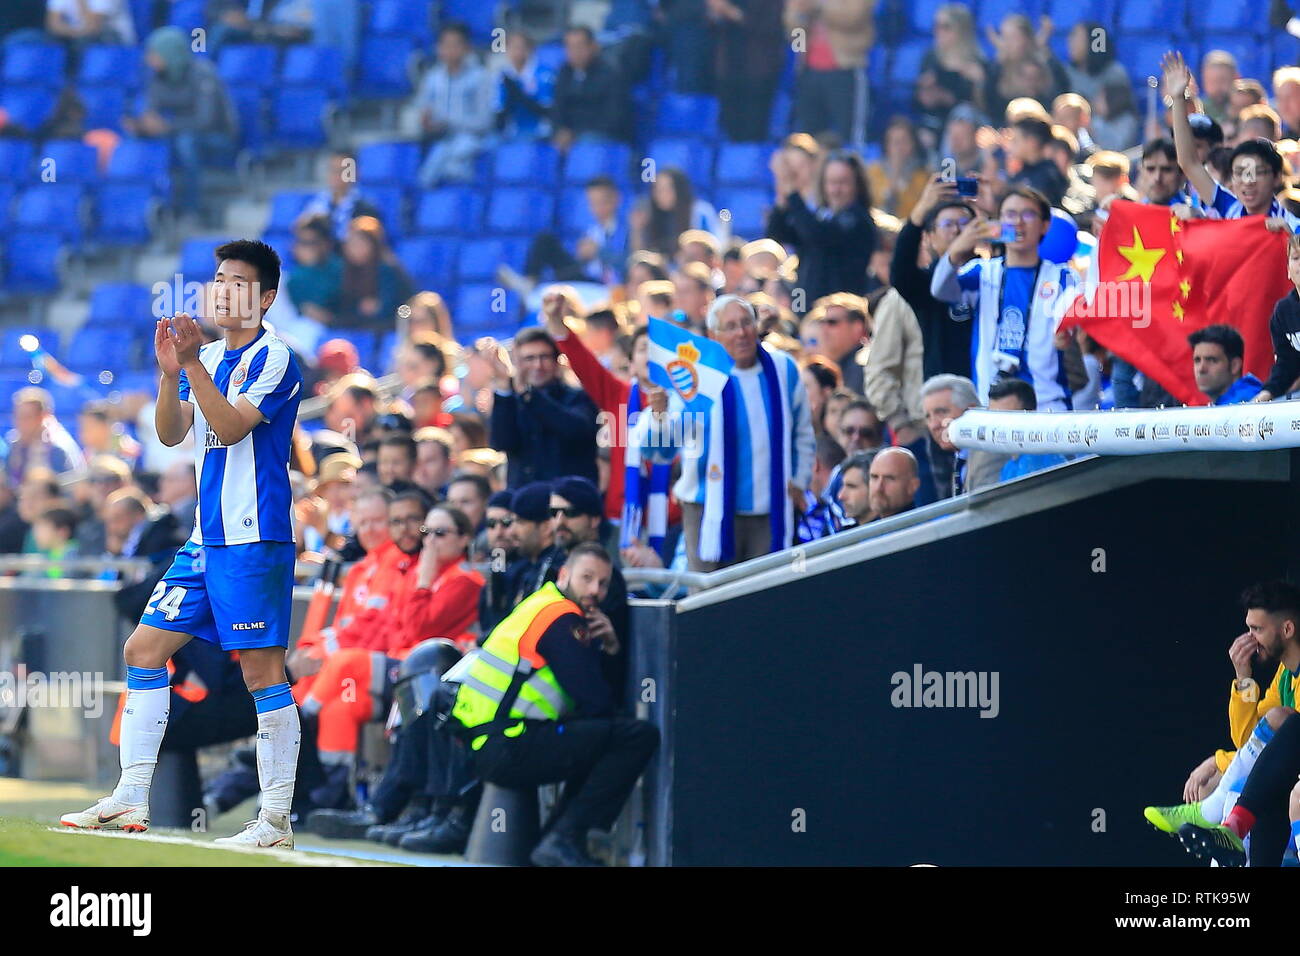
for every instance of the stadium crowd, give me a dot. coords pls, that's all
(872, 271)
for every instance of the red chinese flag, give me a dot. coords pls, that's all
(1160, 278)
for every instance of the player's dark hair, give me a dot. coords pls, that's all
(482, 487)
(1224, 336)
(400, 440)
(1275, 597)
(591, 549)
(257, 254)
(1260, 149)
(1016, 387)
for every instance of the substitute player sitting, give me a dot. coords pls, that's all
(232, 582)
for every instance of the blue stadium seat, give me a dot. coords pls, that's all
(991, 12)
(748, 207)
(1150, 16)
(1066, 13)
(401, 18)
(7, 192)
(16, 159)
(286, 207)
(551, 56)
(105, 106)
(388, 164)
(298, 118)
(1285, 50)
(1212, 18)
(112, 65)
(95, 348)
(586, 160)
(744, 164)
(189, 15)
(250, 64)
(1141, 55)
(921, 15)
(32, 262)
(1253, 57)
(320, 67)
(28, 107)
(430, 261)
(687, 114)
(387, 357)
(694, 157)
(391, 203)
(515, 210)
(121, 304)
(54, 208)
(363, 339)
(575, 216)
(381, 68)
(12, 354)
(524, 163)
(479, 16)
(68, 161)
(198, 260)
(250, 105)
(905, 64)
(34, 64)
(125, 216)
(141, 161)
(483, 309)
(453, 210)
(479, 258)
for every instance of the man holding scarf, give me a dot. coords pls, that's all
(1018, 298)
(748, 458)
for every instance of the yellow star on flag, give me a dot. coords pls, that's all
(1178, 311)
(1186, 287)
(1179, 254)
(1142, 261)
(1174, 226)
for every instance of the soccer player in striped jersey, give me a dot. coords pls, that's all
(232, 583)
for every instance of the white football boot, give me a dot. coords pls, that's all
(262, 833)
(109, 814)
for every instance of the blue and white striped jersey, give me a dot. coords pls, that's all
(244, 493)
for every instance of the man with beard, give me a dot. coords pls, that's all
(538, 560)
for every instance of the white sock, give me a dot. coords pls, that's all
(279, 735)
(1217, 805)
(144, 721)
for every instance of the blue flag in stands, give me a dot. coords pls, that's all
(694, 367)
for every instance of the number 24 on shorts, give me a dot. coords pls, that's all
(171, 605)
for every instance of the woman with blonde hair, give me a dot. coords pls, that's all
(956, 60)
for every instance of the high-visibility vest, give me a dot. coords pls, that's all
(509, 657)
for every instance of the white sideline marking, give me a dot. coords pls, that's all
(300, 857)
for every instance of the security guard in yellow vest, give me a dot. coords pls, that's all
(535, 708)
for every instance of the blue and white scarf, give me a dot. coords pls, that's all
(644, 502)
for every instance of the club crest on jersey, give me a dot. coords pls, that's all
(682, 373)
(241, 373)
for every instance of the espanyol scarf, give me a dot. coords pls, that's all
(644, 502)
(718, 525)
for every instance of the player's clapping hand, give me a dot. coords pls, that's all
(186, 337)
(164, 347)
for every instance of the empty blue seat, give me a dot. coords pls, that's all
(480, 17)
(430, 261)
(250, 105)
(7, 192)
(248, 65)
(486, 309)
(141, 161)
(514, 210)
(16, 159)
(747, 207)
(112, 65)
(1285, 50)
(13, 355)
(687, 114)
(388, 164)
(68, 161)
(50, 207)
(120, 304)
(448, 210)
(1157, 16)
(198, 260)
(28, 107)
(34, 64)
(401, 18)
(575, 215)
(32, 261)
(189, 15)
(363, 339)
(587, 160)
(921, 15)
(905, 63)
(1141, 55)
(105, 106)
(126, 214)
(524, 163)
(744, 164)
(286, 207)
(1254, 59)
(390, 200)
(479, 259)
(694, 157)
(315, 66)
(992, 12)
(381, 68)
(97, 347)
(298, 118)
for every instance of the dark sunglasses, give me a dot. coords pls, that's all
(502, 522)
(865, 432)
(436, 532)
(569, 512)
